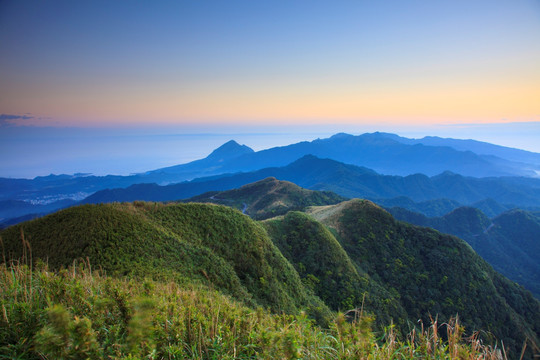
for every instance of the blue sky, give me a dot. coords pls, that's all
(87, 63)
(242, 66)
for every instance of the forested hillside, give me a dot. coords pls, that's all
(352, 255)
(510, 242)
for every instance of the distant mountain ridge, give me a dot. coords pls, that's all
(384, 153)
(226, 152)
(346, 180)
(437, 207)
(229, 150)
(478, 147)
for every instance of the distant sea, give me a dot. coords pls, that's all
(27, 152)
(117, 154)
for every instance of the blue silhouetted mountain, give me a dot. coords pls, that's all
(21, 197)
(431, 208)
(211, 164)
(385, 153)
(478, 147)
(349, 181)
(229, 150)
(441, 207)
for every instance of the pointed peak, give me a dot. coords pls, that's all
(231, 143)
(229, 150)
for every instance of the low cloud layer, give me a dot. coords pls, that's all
(11, 119)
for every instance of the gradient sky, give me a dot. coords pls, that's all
(102, 63)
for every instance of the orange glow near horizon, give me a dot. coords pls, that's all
(421, 104)
(221, 63)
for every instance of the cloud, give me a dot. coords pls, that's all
(10, 119)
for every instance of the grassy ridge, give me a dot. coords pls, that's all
(183, 242)
(350, 255)
(82, 314)
(262, 269)
(319, 259)
(269, 198)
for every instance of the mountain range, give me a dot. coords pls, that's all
(334, 251)
(352, 254)
(349, 181)
(384, 153)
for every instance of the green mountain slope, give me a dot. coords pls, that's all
(269, 197)
(431, 273)
(319, 259)
(350, 255)
(183, 242)
(510, 242)
(325, 267)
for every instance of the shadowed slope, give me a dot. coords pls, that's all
(325, 267)
(510, 242)
(431, 273)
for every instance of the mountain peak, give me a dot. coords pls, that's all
(229, 150)
(341, 135)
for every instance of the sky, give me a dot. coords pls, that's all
(234, 67)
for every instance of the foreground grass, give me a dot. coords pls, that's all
(82, 314)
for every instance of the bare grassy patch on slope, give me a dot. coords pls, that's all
(330, 214)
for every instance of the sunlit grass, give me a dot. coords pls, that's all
(80, 313)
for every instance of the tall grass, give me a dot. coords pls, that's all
(78, 313)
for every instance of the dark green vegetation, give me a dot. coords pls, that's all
(344, 256)
(510, 242)
(326, 268)
(269, 197)
(426, 272)
(185, 243)
(319, 259)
